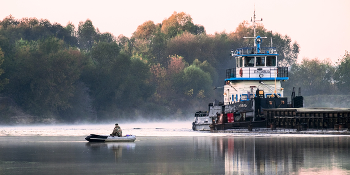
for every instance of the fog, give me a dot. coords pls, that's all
(183, 128)
(157, 129)
(330, 101)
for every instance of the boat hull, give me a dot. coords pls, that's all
(107, 138)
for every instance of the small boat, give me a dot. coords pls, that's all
(108, 138)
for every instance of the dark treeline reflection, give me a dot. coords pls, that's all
(176, 155)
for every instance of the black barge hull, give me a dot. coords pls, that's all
(295, 118)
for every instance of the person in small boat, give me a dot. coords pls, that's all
(117, 131)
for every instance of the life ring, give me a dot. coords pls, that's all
(241, 72)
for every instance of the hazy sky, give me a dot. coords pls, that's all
(322, 28)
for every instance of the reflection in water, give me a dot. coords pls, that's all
(283, 155)
(117, 147)
(176, 155)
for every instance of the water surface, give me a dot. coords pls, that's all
(175, 155)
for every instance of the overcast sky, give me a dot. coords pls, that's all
(322, 28)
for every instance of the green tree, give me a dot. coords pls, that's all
(193, 82)
(342, 75)
(4, 81)
(158, 46)
(33, 29)
(125, 45)
(137, 88)
(288, 51)
(206, 67)
(115, 81)
(104, 37)
(44, 76)
(192, 88)
(86, 35)
(313, 76)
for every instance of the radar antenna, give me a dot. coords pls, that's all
(257, 42)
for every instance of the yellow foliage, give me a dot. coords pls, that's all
(190, 92)
(145, 30)
(201, 94)
(175, 20)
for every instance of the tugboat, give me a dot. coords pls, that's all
(252, 85)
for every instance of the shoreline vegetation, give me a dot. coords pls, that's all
(54, 74)
(18, 117)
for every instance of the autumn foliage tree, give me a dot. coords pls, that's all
(178, 23)
(145, 30)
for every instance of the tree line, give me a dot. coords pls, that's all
(321, 77)
(163, 71)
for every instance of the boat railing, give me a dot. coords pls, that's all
(253, 50)
(281, 72)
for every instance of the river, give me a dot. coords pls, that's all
(167, 149)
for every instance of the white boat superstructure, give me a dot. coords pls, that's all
(253, 72)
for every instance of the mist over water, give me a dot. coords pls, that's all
(163, 129)
(171, 128)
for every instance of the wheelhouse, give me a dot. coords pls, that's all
(255, 68)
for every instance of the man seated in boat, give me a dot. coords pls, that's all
(117, 131)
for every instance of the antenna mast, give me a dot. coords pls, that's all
(257, 41)
(253, 19)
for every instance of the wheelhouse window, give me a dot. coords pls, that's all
(260, 61)
(249, 61)
(271, 61)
